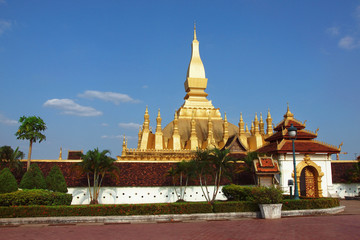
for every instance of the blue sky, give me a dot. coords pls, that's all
(89, 68)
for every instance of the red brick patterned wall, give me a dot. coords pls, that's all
(130, 174)
(339, 171)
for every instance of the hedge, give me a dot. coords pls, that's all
(158, 208)
(34, 197)
(105, 210)
(315, 203)
(235, 206)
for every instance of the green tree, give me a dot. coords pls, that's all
(11, 158)
(353, 174)
(96, 165)
(7, 181)
(212, 165)
(55, 180)
(33, 178)
(31, 129)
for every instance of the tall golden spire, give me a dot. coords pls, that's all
(195, 86)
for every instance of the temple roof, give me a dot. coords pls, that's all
(301, 135)
(302, 146)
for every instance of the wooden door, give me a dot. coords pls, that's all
(308, 182)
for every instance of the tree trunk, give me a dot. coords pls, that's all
(29, 155)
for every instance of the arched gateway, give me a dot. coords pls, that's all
(309, 176)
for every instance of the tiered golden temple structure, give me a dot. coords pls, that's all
(197, 124)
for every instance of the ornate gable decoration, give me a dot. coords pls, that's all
(266, 165)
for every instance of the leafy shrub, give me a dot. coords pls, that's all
(266, 195)
(232, 206)
(236, 192)
(7, 181)
(314, 203)
(33, 179)
(55, 180)
(35, 197)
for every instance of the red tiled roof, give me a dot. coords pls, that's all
(285, 123)
(301, 134)
(266, 165)
(303, 146)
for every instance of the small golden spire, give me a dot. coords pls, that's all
(247, 129)
(158, 122)
(268, 115)
(261, 125)
(269, 130)
(60, 155)
(241, 125)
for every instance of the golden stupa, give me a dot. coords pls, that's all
(197, 124)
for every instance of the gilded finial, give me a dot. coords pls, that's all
(225, 118)
(316, 131)
(241, 118)
(288, 114)
(158, 113)
(194, 30)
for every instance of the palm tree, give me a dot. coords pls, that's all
(212, 164)
(182, 172)
(11, 157)
(223, 164)
(97, 164)
(30, 129)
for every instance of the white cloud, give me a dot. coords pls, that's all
(118, 137)
(116, 98)
(4, 25)
(129, 125)
(334, 31)
(357, 12)
(348, 43)
(69, 107)
(7, 121)
(112, 136)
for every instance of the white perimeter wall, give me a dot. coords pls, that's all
(136, 195)
(346, 189)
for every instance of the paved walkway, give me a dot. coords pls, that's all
(340, 226)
